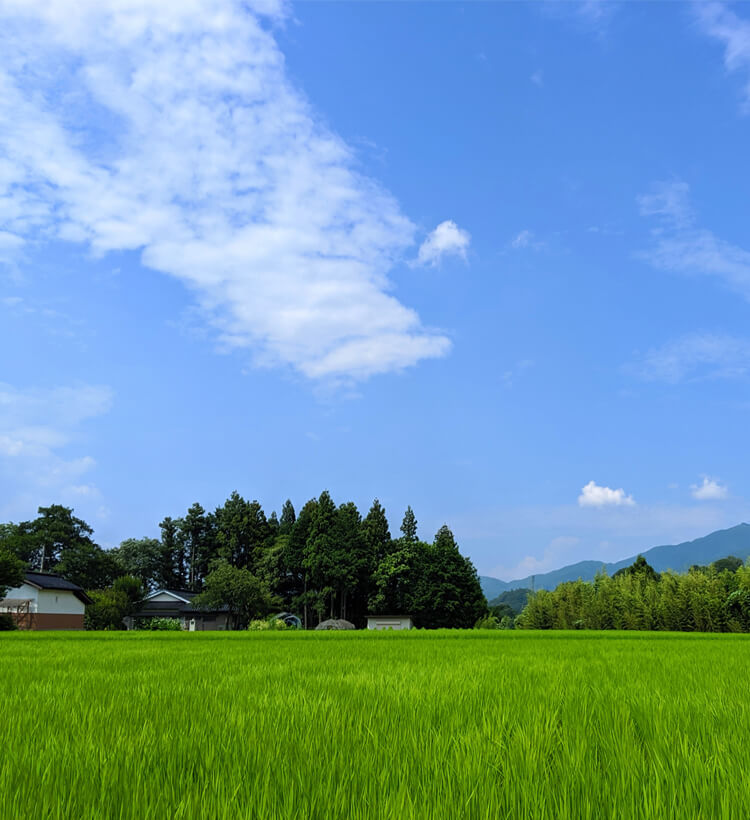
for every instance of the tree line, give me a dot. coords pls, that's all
(325, 561)
(714, 598)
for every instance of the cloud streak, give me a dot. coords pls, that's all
(172, 129)
(695, 357)
(681, 245)
(718, 21)
(37, 428)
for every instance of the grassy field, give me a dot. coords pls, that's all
(428, 725)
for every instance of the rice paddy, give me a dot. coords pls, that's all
(357, 725)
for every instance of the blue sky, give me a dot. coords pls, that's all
(487, 259)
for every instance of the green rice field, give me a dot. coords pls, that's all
(375, 725)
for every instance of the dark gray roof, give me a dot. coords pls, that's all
(158, 609)
(46, 580)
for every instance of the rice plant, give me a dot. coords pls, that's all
(357, 725)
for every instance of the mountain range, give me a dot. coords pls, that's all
(677, 557)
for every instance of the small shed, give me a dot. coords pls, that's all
(335, 623)
(46, 601)
(389, 622)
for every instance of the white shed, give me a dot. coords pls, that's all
(389, 622)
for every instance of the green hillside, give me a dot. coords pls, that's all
(677, 557)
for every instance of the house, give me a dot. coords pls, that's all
(46, 601)
(389, 622)
(177, 603)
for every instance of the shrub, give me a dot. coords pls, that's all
(160, 625)
(7, 624)
(272, 624)
(488, 622)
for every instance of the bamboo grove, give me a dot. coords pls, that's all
(705, 599)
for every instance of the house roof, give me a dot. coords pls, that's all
(178, 594)
(47, 580)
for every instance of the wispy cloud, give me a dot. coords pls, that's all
(719, 21)
(523, 239)
(446, 240)
(594, 495)
(695, 357)
(173, 129)
(709, 490)
(37, 430)
(680, 245)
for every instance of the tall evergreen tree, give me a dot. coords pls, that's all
(453, 594)
(409, 526)
(196, 535)
(376, 533)
(319, 560)
(286, 522)
(243, 532)
(171, 573)
(294, 556)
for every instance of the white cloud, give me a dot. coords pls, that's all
(593, 495)
(446, 240)
(680, 245)
(697, 356)
(37, 430)
(709, 490)
(172, 129)
(721, 23)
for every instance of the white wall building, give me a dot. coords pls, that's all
(389, 622)
(46, 601)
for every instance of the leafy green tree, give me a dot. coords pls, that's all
(245, 597)
(731, 564)
(19, 540)
(41, 543)
(111, 606)
(639, 567)
(88, 565)
(11, 572)
(142, 558)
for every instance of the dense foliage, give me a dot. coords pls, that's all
(705, 599)
(325, 562)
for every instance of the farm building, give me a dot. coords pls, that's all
(46, 601)
(389, 622)
(177, 603)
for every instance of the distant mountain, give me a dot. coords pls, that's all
(677, 557)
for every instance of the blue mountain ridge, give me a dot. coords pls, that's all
(677, 557)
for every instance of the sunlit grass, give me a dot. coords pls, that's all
(446, 724)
